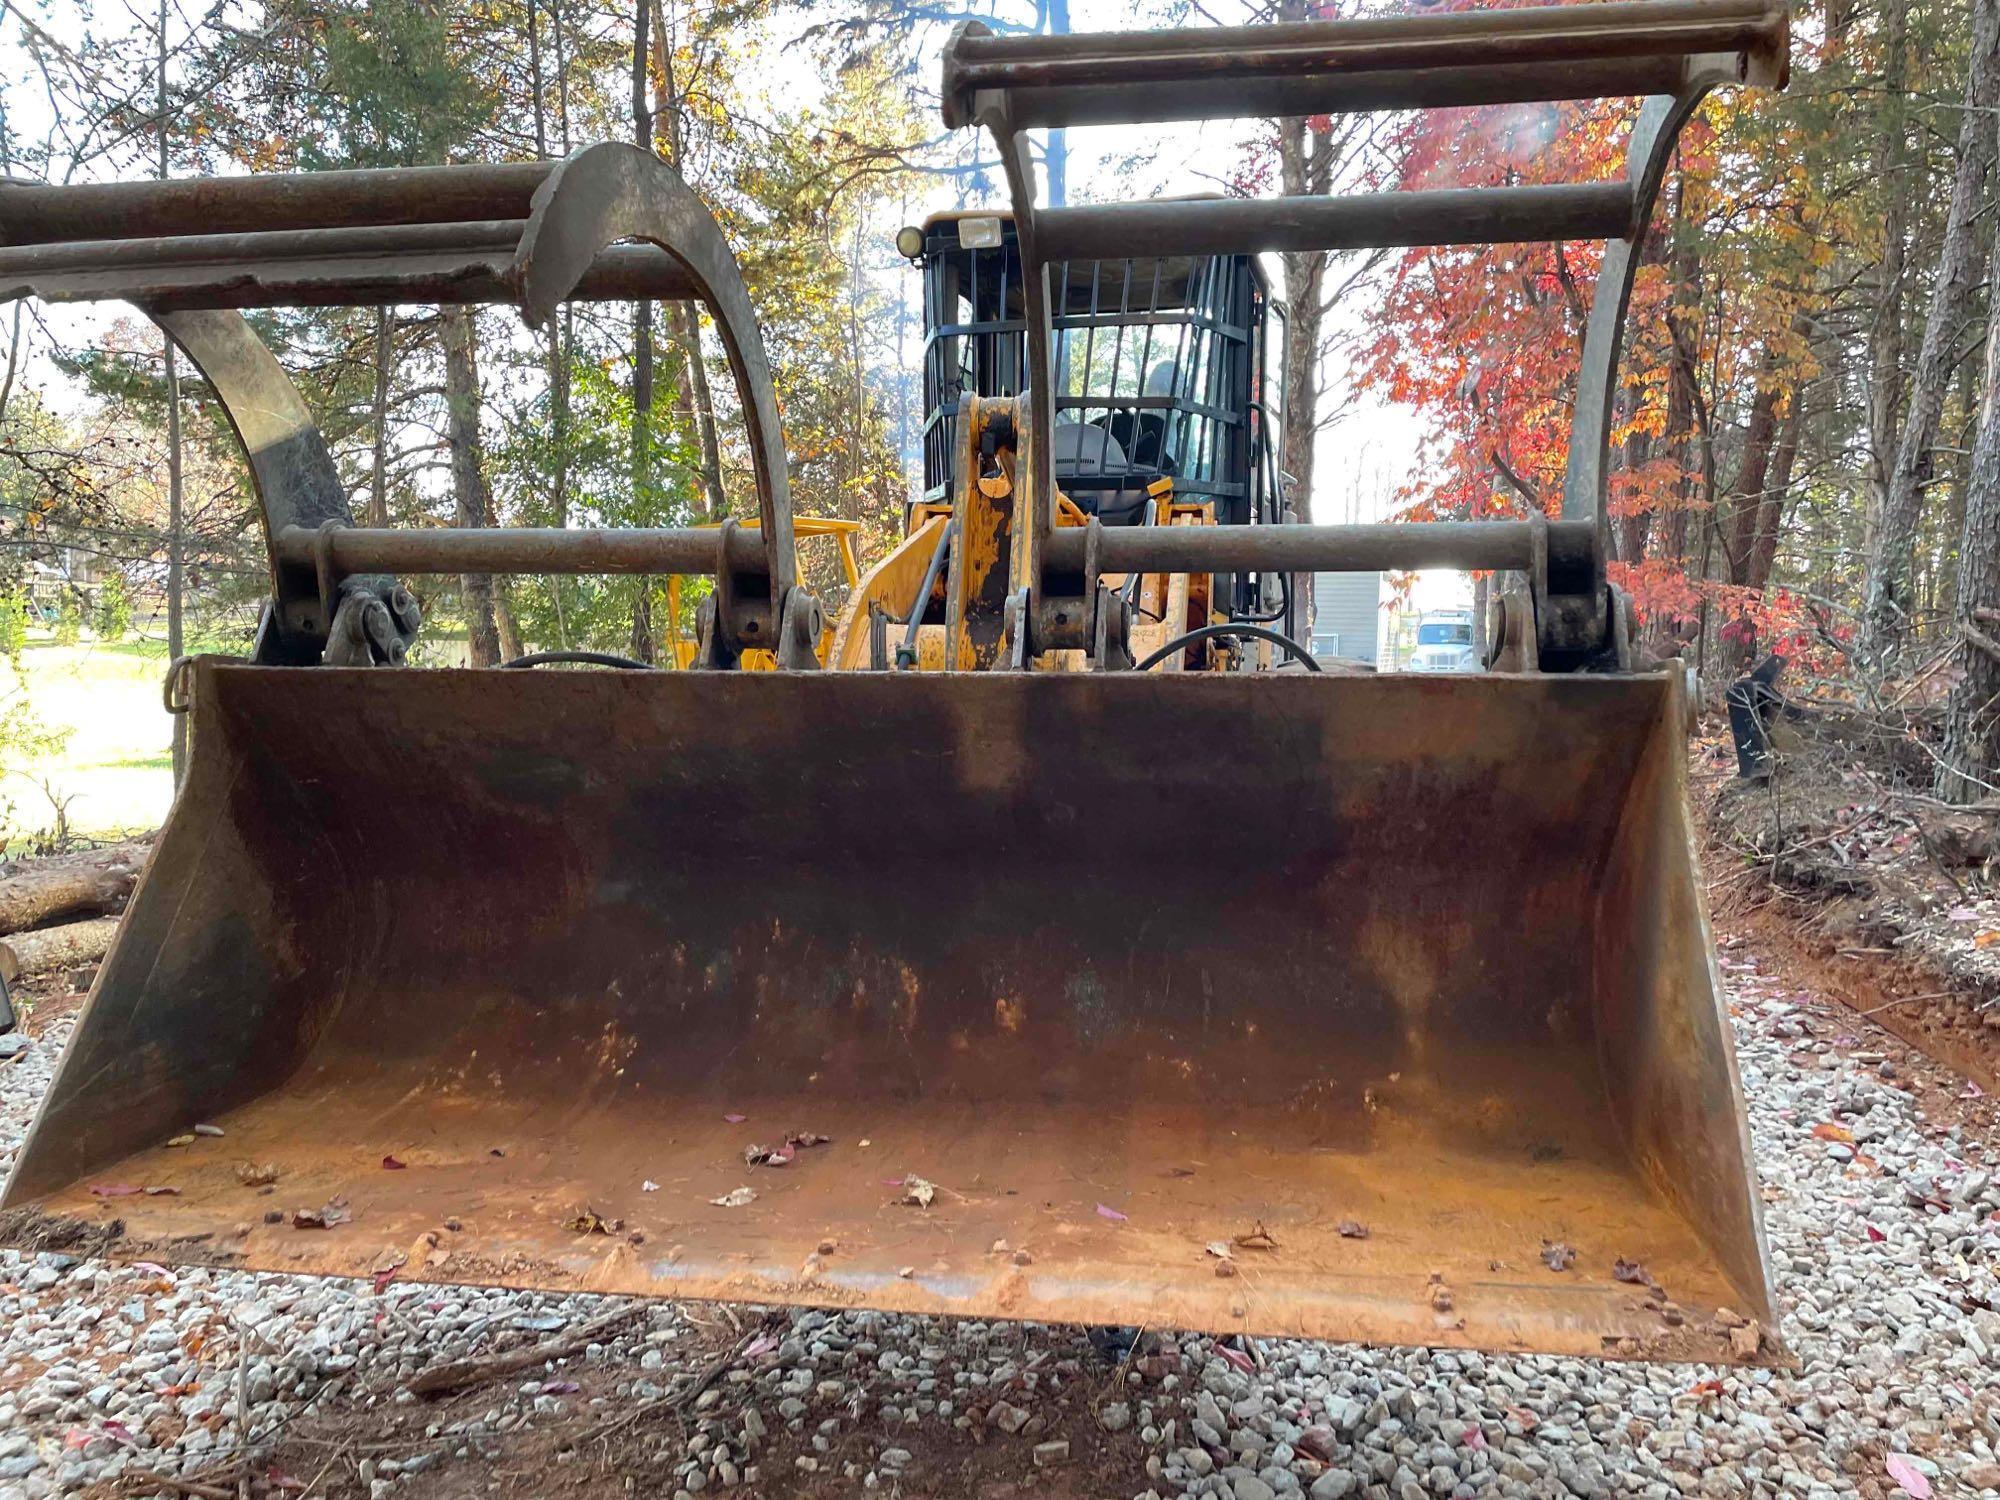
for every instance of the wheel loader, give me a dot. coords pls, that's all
(995, 966)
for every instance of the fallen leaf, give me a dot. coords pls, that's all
(590, 1221)
(1236, 1357)
(1828, 1131)
(559, 1387)
(1179, 1172)
(1705, 1388)
(917, 1192)
(1875, 1236)
(181, 1140)
(907, 1272)
(334, 1212)
(735, 1119)
(153, 1267)
(1907, 1476)
(767, 1156)
(649, 1186)
(1106, 1212)
(1258, 1238)
(383, 1278)
(1629, 1271)
(390, 1164)
(1220, 1250)
(257, 1174)
(1557, 1256)
(1351, 1229)
(214, 1131)
(739, 1198)
(114, 1190)
(163, 1192)
(800, 1139)
(1984, 939)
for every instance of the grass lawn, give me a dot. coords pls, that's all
(116, 769)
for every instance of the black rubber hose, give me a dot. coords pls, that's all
(579, 658)
(1229, 627)
(906, 654)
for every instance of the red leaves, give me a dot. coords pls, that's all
(390, 1164)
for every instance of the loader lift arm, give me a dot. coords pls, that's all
(191, 253)
(1672, 52)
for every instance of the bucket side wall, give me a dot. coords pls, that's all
(1669, 1058)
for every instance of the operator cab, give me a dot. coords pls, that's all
(1162, 370)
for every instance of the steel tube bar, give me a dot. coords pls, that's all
(1345, 93)
(1483, 545)
(471, 275)
(36, 215)
(1255, 54)
(522, 549)
(256, 249)
(1231, 226)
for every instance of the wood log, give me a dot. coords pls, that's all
(68, 946)
(41, 891)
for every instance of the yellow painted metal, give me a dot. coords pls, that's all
(892, 586)
(681, 649)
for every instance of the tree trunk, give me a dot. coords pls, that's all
(1777, 492)
(63, 947)
(699, 401)
(1885, 335)
(99, 881)
(1891, 602)
(378, 479)
(474, 501)
(642, 311)
(1633, 524)
(1305, 155)
(1054, 21)
(1746, 502)
(1972, 711)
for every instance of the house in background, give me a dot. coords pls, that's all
(1347, 616)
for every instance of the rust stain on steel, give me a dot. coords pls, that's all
(536, 936)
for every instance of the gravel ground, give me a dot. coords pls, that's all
(1885, 1235)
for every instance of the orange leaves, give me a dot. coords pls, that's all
(1827, 1131)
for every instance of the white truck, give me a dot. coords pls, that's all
(1444, 643)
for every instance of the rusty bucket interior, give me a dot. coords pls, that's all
(1396, 990)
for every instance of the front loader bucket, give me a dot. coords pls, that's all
(1395, 990)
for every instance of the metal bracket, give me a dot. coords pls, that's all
(1111, 644)
(799, 626)
(374, 618)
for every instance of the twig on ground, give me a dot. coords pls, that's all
(478, 1369)
(679, 1397)
(1904, 1000)
(139, 1481)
